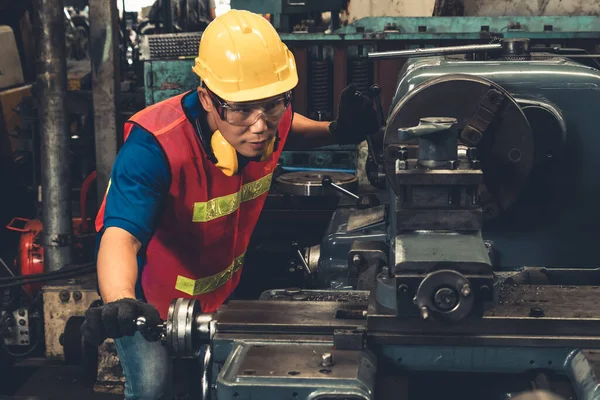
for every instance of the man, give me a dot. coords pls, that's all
(189, 184)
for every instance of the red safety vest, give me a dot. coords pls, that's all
(197, 250)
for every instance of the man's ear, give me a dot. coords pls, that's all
(207, 104)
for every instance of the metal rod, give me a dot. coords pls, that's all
(341, 189)
(434, 51)
(304, 264)
(51, 85)
(6, 267)
(104, 22)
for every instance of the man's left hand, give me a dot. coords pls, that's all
(356, 118)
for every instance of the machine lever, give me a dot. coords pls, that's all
(375, 93)
(328, 182)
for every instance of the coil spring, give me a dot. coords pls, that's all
(359, 73)
(320, 90)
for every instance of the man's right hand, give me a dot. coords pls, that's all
(116, 319)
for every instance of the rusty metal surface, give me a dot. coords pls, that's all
(278, 316)
(104, 47)
(551, 316)
(51, 87)
(57, 311)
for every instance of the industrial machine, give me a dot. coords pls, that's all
(476, 154)
(469, 262)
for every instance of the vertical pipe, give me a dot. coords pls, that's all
(51, 84)
(104, 35)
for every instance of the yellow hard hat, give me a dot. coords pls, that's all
(242, 58)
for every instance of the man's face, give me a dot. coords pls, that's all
(248, 127)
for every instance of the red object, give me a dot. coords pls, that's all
(85, 187)
(198, 259)
(30, 259)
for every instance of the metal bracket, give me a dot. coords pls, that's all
(349, 339)
(18, 334)
(480, 121)
(362, 255)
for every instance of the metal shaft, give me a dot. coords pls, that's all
(434, 51)
(51, 84)
(347, 192)
(104, 23)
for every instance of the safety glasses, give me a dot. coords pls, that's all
(247, 113)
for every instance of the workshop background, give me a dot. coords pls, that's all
(63, 103)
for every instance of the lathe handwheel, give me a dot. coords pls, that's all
(446, 295)
(187, 328)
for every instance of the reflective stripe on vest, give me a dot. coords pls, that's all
(219, 207)
(209, 283)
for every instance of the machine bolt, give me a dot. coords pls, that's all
(445, 299)
(424, 312)
(64, 295)
(536, 312)
(403, 288)
(454, 164)
(21, 313)
(514, 155)
(293, 291)
(466, 290)
(356, 259)
(327, 359)
(77, 295)
(22, 322)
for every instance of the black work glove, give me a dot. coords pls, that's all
(356, 118)
(116, 319)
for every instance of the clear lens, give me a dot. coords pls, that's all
(246, 114)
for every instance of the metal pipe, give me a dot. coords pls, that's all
(51, 85)
(106, 82)
(475, 48)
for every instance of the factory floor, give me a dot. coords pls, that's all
(36, 380)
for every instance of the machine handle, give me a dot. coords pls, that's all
(10, 226)
(473, 48)
(375, 93)
(328, 182)
(151, 333)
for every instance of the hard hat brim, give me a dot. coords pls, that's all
(254, 94)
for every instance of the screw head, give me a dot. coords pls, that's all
(424, 313)
(64, 295)
(357, 259)
(327, 359)
(77, 295)
(466, 290)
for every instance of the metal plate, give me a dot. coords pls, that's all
(458, 96)
(532, 316)
(295, 371)
(310, 183)
(360, 219)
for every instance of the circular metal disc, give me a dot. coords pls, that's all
(506, 150)
(310, 183)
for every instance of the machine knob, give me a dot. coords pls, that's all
(151, 333)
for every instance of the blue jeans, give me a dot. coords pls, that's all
(148, 368)
(152, 374)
